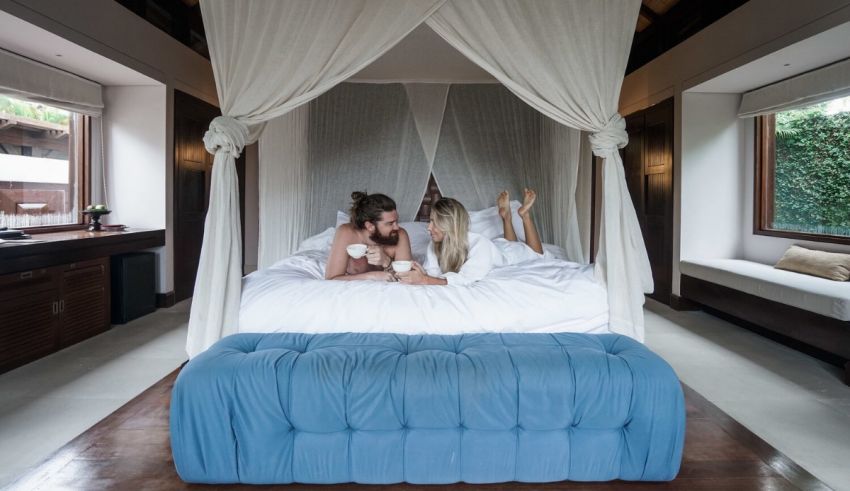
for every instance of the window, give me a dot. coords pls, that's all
(43, 164)
(803, 172)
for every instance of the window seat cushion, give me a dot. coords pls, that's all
(819, 295)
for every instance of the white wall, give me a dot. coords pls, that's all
(135, 149)
(754, 30)
(713, 144)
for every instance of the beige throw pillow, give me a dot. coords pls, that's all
(830, 265)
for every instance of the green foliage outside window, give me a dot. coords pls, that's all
(812, 173)
(40, 112)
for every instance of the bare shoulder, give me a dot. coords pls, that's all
(403, 232)
(345, 232)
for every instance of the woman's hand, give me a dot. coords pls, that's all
(416, 276)
(375, 256)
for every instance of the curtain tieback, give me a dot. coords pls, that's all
(226, 134)
(610, 138)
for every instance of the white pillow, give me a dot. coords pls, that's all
(488, 223)
(419, 239)
(342, 217)
(319, 242)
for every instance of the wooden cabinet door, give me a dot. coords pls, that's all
(84, 303)
(29, 315)
(648, 163)
(658, 196)
(192, 178)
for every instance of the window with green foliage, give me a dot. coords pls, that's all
(803, 176)
(42, 164)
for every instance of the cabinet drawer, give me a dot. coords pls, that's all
(92, 267)
(84, 275)
(27, 282)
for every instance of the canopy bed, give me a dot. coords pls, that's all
(279, 68)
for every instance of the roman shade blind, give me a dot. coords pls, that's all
(23, 78)
(812, 87)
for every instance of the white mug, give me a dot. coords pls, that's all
(402, 266)
(356, 251)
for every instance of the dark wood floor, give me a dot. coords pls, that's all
(130, 449)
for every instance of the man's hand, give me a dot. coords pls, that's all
(376, 256)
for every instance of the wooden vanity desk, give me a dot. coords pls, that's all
(56, 293)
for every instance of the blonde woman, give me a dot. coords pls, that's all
(457, 256)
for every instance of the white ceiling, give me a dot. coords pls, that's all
(819, 50)
(423, 56)
(38, 44)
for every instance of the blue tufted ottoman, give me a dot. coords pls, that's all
(385, 408)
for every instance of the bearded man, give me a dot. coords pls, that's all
(374, 222)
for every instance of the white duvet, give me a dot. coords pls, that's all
(546, 295)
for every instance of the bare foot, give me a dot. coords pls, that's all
(504, 204)
(529, 195)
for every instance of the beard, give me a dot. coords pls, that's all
(385, 240)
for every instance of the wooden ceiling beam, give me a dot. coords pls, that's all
(648, 13)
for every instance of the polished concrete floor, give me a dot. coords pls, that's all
(45, 404)
(795, 403)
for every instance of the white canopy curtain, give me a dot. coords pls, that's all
(565, 58)
(428, 105)
(285, 214)
(353, 137)
(490, 141)
(360, 136)
(363, 137)
(559, 60)
(269, 58)
(569, 189)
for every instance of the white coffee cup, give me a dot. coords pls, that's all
(402, 266)
(356, 251)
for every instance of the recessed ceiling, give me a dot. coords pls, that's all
(38, 44)
(423, 56)
(819, 50)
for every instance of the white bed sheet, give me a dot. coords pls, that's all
(549, 295)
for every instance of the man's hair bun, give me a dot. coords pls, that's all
(368, 207)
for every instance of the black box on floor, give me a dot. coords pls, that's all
(133, 286)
